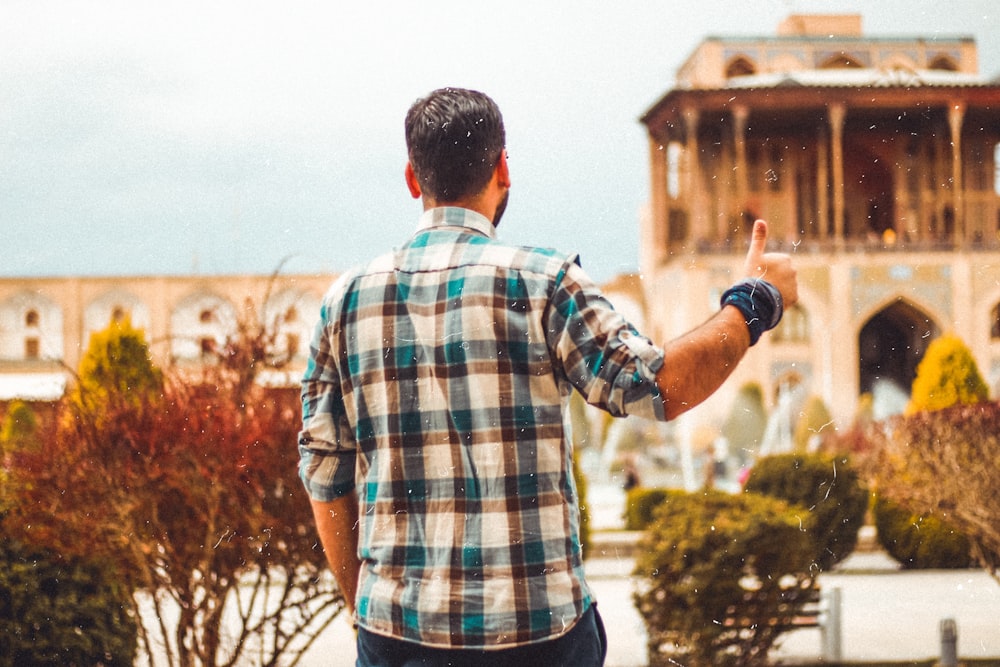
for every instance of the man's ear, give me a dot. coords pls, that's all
(502, 171)
(412, 182)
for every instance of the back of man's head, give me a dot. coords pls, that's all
(454, 138)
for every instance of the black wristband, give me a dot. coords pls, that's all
(760, 303)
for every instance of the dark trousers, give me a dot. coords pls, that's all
(586, 645)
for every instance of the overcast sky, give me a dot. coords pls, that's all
(220, 137)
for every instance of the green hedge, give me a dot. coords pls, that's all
(920, 541)
(828, 487)
(709, 556)
(640, 505)
(62, 613)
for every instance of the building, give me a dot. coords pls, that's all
(45, 323)
(874, 159)
(875, 162)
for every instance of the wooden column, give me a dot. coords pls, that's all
(837, 112)
(900, 193)
(823, 183)
(654, 248)
(939, 195)
(726, 191)
(956, 114)
(790, 193)
(740, 115)
(692, 186)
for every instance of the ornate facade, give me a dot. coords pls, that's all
(45, 323)
(875, 162)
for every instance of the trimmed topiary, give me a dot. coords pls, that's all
(721, 576)
(946, 376)
(920, 541)
(641, 504)
(828, 487)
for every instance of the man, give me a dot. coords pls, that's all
(434, 443)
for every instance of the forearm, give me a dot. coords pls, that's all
(697, 363)
(337, 524)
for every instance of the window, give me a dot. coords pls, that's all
(794, 326)
(32, 348)
(944, 63)
(995, 323)
(117, 314)
(291, 344)
(740, 67)
(208, 346)
(206, 316)
(674, 154)
(996, 169)
(31, 318)
(840, 62)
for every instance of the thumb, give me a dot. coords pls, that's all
(758, 241)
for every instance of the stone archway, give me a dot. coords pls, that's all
(891, 344)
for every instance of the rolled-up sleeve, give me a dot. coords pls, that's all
(327, 444)
(603, 356)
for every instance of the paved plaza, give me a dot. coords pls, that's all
(886, 613)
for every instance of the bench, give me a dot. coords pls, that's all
(798, 607)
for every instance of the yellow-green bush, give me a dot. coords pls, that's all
(830, 490)
(711, 556)
(920, 541)
(640, 505)
(946, 376)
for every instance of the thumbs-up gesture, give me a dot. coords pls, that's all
(774, 267)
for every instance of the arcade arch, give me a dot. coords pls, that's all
(200, 325)
(289, 317)
(840, 61)
(740, 66)
(114, 305)
(890, 345)
(943, 62)
(31, 328)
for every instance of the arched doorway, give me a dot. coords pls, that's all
(890, 345)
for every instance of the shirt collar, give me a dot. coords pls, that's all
(453, 216)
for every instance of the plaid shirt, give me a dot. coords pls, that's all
(437, 387)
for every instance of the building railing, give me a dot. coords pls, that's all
(851, 246)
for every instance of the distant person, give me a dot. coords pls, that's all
(434, 442)
(631, 471)
(714, 468)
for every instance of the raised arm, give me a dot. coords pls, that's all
(337, 525)
(697, 363)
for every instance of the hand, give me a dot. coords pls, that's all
(774, 267)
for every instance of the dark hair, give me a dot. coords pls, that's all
(454, 138)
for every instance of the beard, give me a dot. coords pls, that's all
(501, 207)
